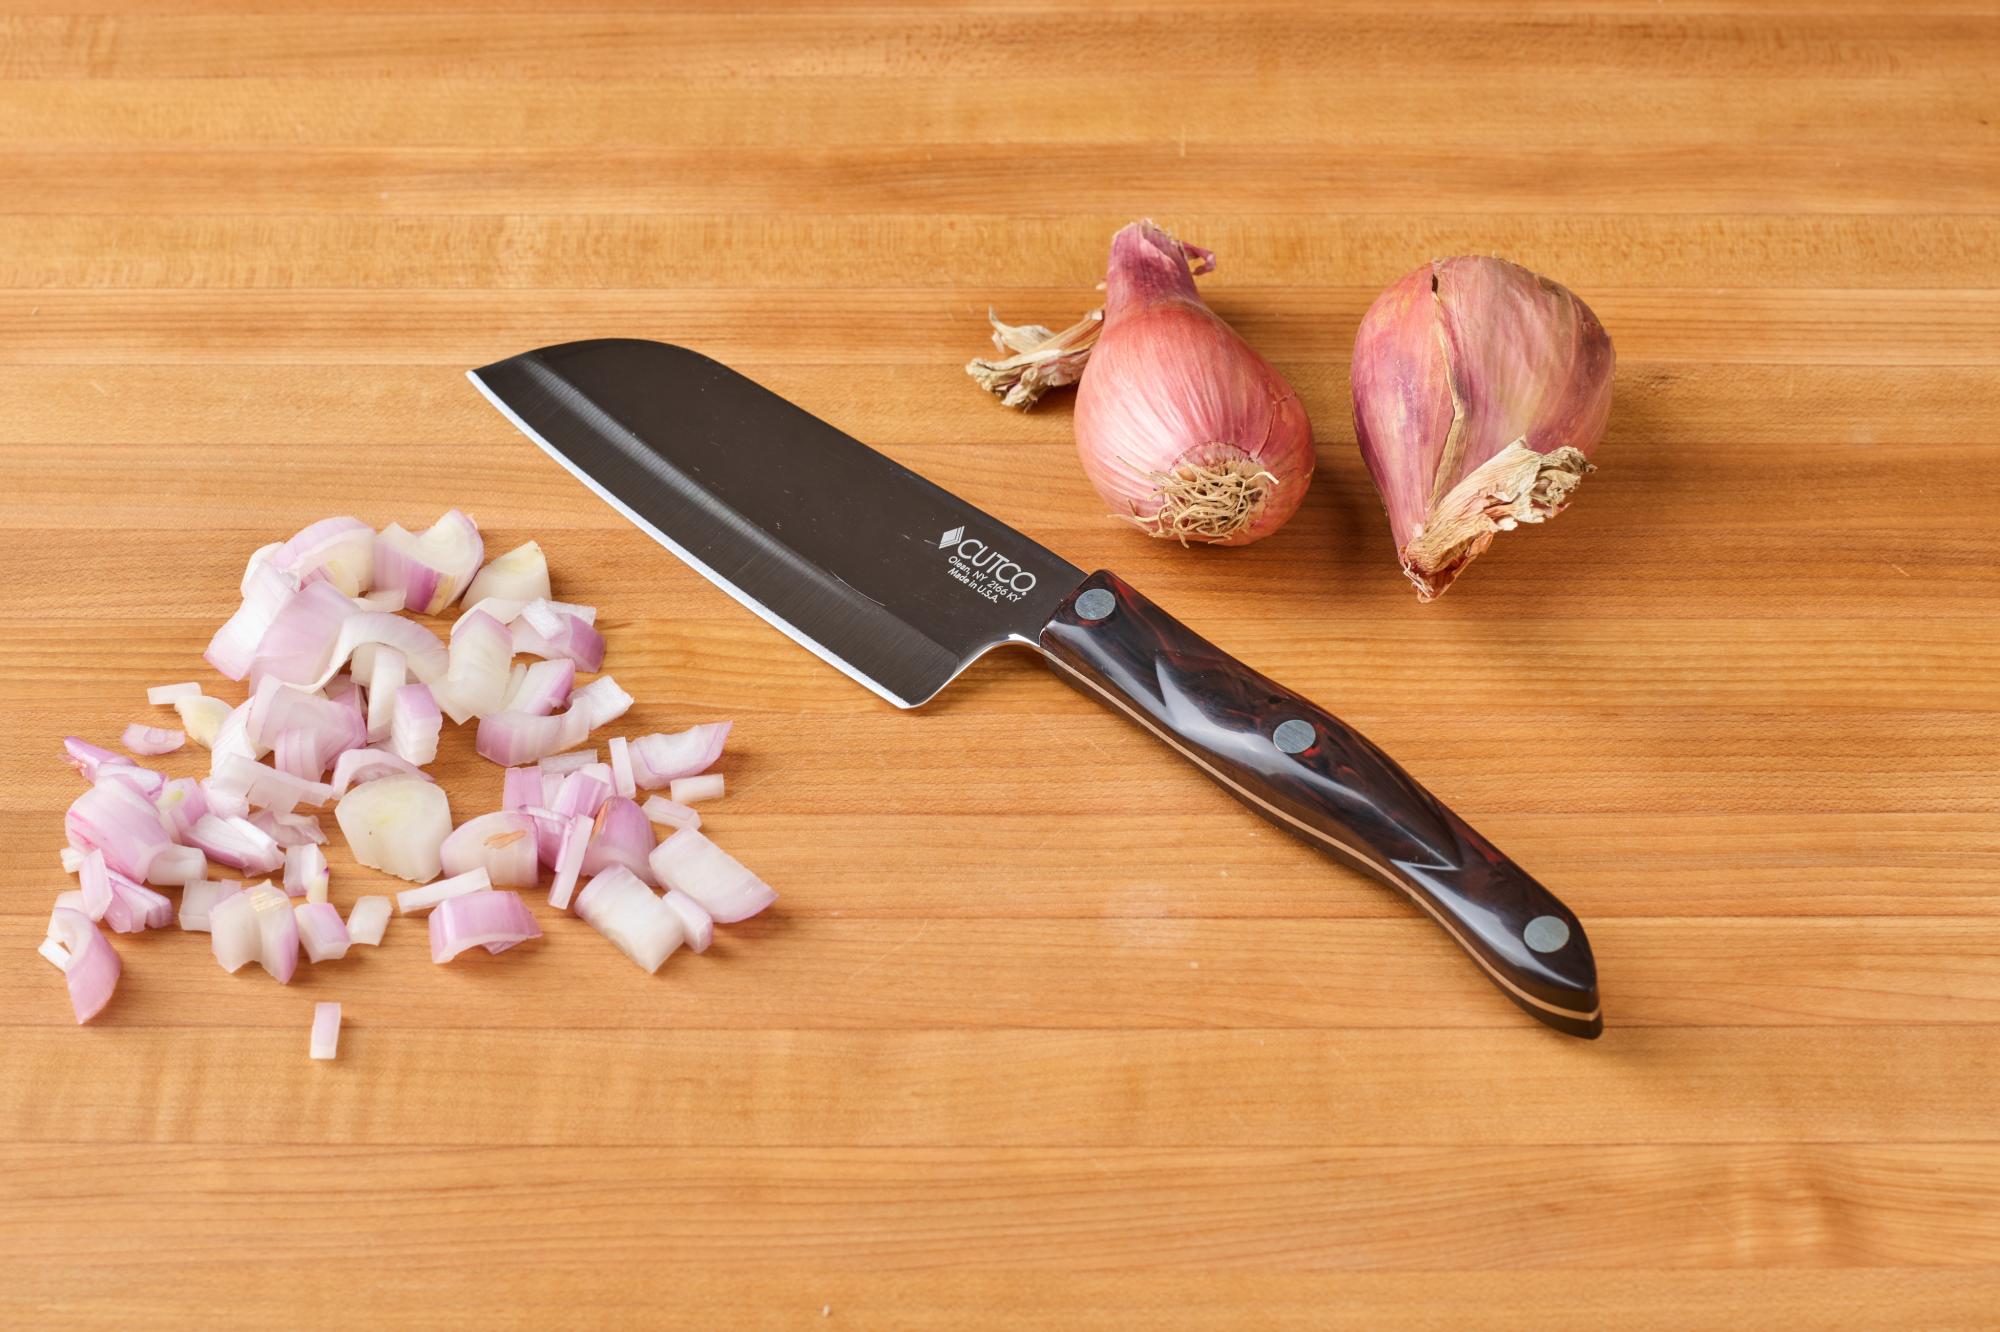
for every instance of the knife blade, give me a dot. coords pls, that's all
(902, 585)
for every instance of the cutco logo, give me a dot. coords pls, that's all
(986, 571)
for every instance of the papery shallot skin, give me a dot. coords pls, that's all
(1182, 427)
(1480, 391)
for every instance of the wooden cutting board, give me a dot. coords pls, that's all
(1044, 1030)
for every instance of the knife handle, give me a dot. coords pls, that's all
(1310, 773)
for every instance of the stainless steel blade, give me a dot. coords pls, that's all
(896, 581)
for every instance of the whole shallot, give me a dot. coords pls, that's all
(1480, 390)
(1185, 431)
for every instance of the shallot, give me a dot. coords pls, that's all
(333, 668)
(458, 885)
(340, 550)
(305, 872)
(1184, 430)
(664, 811)
(201, 717)
(198, 899)
(711, 876)
(624, 910)
(396, 824)
(1480, 391)
(522, 574)
(696, 923)
(570, 848)
(325, 1031)
(686, 791)
(495, 921)
(367, 919)
(89, 963)
(433, 569)
(658, 759)
(502, 844)
(322, 931)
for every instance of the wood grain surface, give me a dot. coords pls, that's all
(1045, 1031)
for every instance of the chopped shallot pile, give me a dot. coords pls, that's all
(345, 698)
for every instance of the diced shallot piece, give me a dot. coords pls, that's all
(198, 899)
(562, 764)
(502, 844)
(305, 872)
(621, 767)
(495, 921)
(396, 824)
(458, 885)
(201, 717)
(256, 925)
(665, 812)
(522, 574)
(339, 550)
(367, 918)
(367, 765)
(520, 788)
(166, 695)
(620, 835)
(687, 790)
(325, 1031)
(290, 830)
(541, 687)
(624, 910)
(432, 569)
(237, 843)
(301, 636)
(711, 876)
(696, 923)
(542, 631)
(117, 820)
(89, 963)
(482, 656)
(658, 759)
(232, 930)
(276, 707)
(87, 758)
(151, 740)
(569, 860)
(602, 701)
(414, 728)
(322, 931)
(263, 785)
(266, 589)
(176, 865)
(423, 656)
(385, 676)
(135, 907)
(93, 880)
(181, 803)
(514, 738)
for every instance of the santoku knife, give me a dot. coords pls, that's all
(902, 585)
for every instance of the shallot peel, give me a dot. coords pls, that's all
(1480, 390)
(1185, 431)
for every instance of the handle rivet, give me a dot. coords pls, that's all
(1095, 604)
(1294, 736)
(1545, 934)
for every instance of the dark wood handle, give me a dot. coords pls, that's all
(1312, 774)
